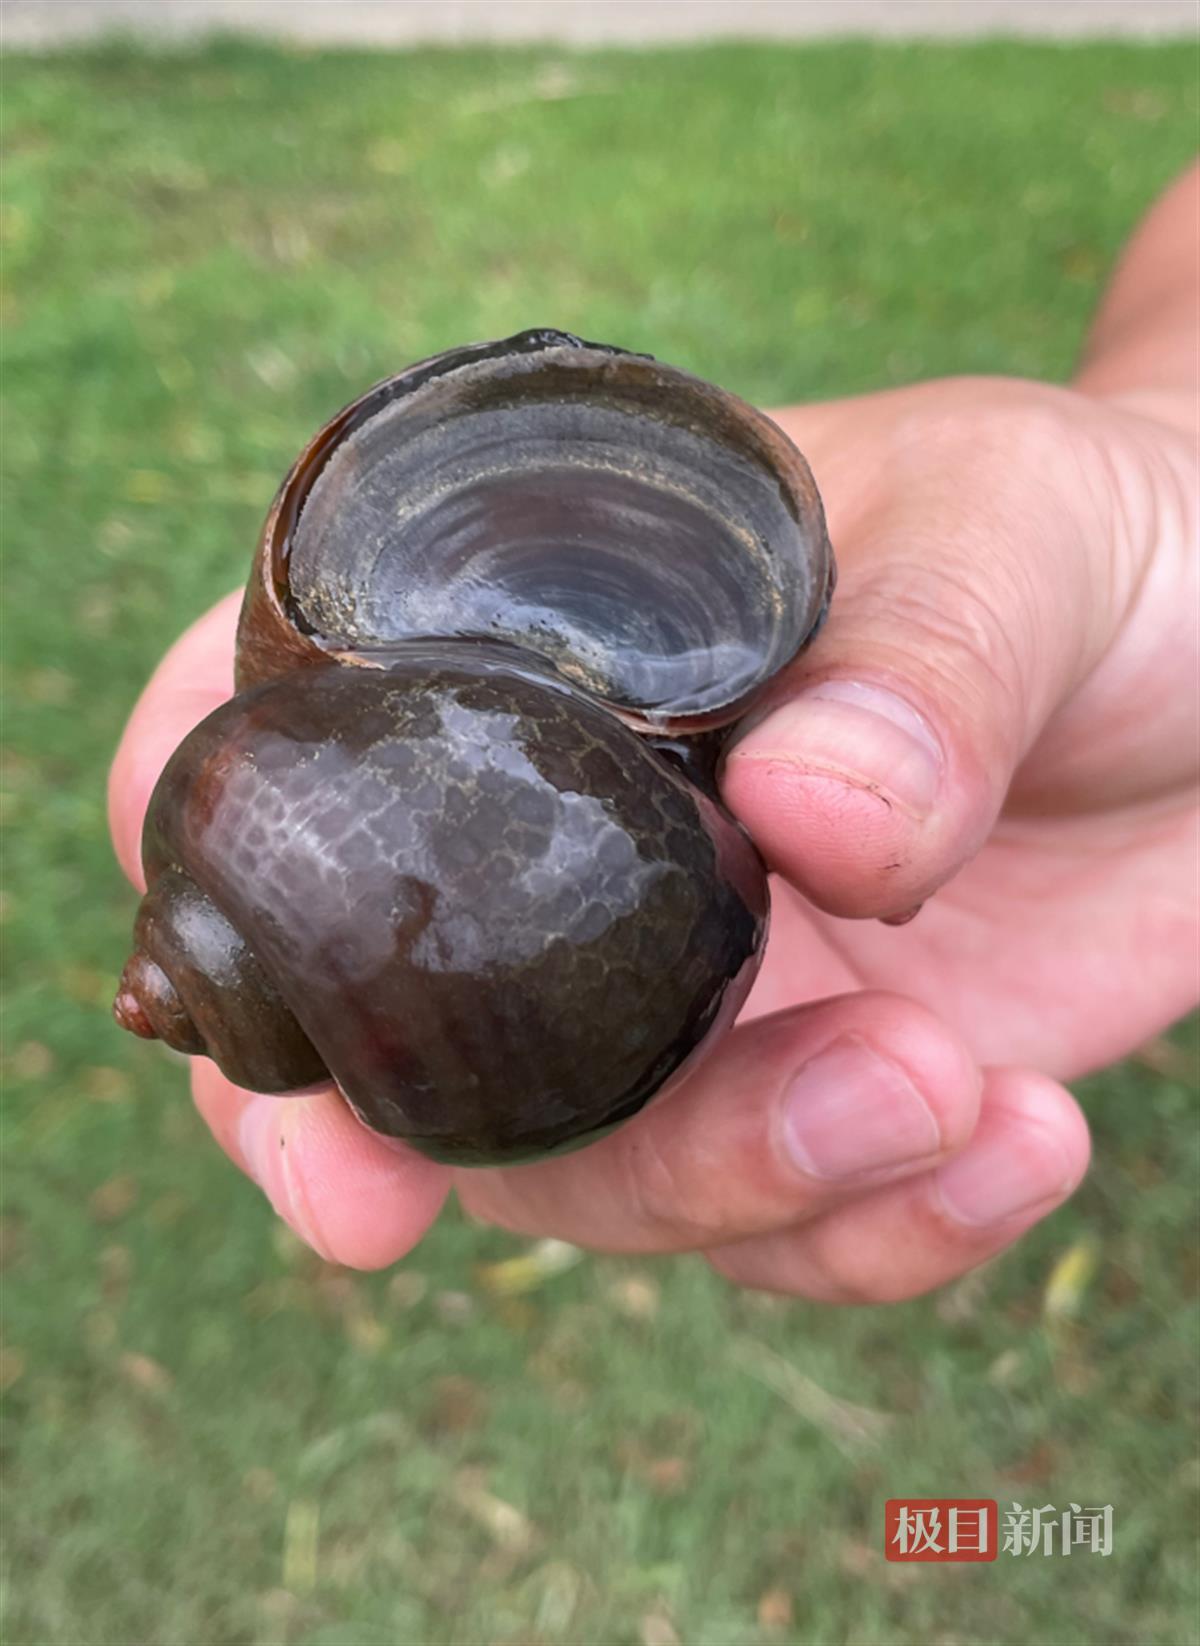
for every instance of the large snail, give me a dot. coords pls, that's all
(456, 841)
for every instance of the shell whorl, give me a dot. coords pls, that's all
(463, 880)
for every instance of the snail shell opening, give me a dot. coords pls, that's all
(654, 540)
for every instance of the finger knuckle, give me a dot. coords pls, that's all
(663, 1195)
(859, 1271)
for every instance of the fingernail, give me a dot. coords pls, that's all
(267, 1136)
(849, 1113)
(1003, 1174)
(861, 732)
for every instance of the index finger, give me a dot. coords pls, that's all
(194, 678)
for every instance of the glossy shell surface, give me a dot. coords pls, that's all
(500, 917)
(456, 843)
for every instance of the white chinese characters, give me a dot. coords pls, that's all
(957, 1531)
(1047, 1531)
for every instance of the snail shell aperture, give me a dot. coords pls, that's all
(456, 844)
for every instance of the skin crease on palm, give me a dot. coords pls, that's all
(999, 722)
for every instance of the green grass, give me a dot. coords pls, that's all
(210, 1439)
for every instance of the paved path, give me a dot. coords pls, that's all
(34, 23)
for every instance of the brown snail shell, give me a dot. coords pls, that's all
(455, 842)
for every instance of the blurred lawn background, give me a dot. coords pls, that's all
(211, 1438)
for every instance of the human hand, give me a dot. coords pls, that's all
(993, 714)
(1011, 579)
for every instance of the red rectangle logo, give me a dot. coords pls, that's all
(940, 1528)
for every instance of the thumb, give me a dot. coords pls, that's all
(979, 582)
